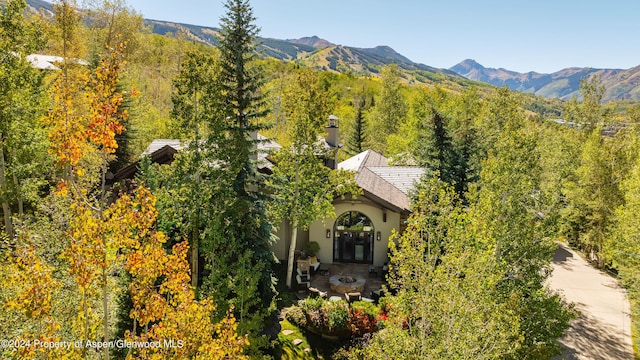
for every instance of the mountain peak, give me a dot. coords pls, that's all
(466, 66)
(312, 41)
(385, 48)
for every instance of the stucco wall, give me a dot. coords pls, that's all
(281, 247)
(318, 230)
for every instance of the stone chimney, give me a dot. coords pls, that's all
(333, 139)
(332, 131)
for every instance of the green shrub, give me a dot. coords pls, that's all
(360, 323)
(295, 315)
(365, 307)
(312, 248)
(364, 318)
(337, 317)
(311, 304)
(317, 320)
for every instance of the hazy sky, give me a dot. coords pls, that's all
(541, 35)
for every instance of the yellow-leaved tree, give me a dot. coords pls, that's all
(165, 310)
(28, 288)
(105, 236)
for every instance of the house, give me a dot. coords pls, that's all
(50, 62)
(162, 151)
(360, 231)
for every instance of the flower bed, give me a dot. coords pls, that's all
(336, 319)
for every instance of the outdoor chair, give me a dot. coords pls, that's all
(303, 278)
(314, 264)
(315, 293)
(351, 297)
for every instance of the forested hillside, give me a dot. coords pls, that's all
(178, 257)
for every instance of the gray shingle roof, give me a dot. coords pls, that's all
(265, 147)
(47, 62)
(404, 178)
(388, 185)
(365, 158)
(158, 144)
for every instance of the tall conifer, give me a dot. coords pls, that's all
(240, 254)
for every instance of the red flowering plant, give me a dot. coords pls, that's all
(364, 318)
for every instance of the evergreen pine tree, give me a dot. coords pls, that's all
(239, 253)
(435, 149)
(357, 135)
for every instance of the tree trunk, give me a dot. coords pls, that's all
(194, 258)
(105, 283)
(85, 331)
(16, 183)
(105, 308)
(195, 235)
(292, 252)
(6, 209)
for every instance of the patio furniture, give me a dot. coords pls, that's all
(314, 263)
(303, 278)
(377, 294)
(384, 271)
(315, 293)
(310, 264)
(351, 297)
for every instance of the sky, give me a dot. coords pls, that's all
(542, 35)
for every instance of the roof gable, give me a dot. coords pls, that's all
(365, 158)
(158, 144)
(385, 184)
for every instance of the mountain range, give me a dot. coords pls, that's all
(564, 84)
(324, 55)
(316, 52)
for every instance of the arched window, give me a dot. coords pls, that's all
(353, 241)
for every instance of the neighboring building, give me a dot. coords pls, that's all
(49, 62)
(162, 151)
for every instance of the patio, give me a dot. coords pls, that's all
(321, 280)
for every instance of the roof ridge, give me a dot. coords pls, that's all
(364, 161)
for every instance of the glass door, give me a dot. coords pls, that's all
(353, 238)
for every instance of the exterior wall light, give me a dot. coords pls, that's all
(328, 234)
(378, 236)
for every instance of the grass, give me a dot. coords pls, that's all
(291, 351)
(318, 347)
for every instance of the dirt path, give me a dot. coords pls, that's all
(603, 330)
